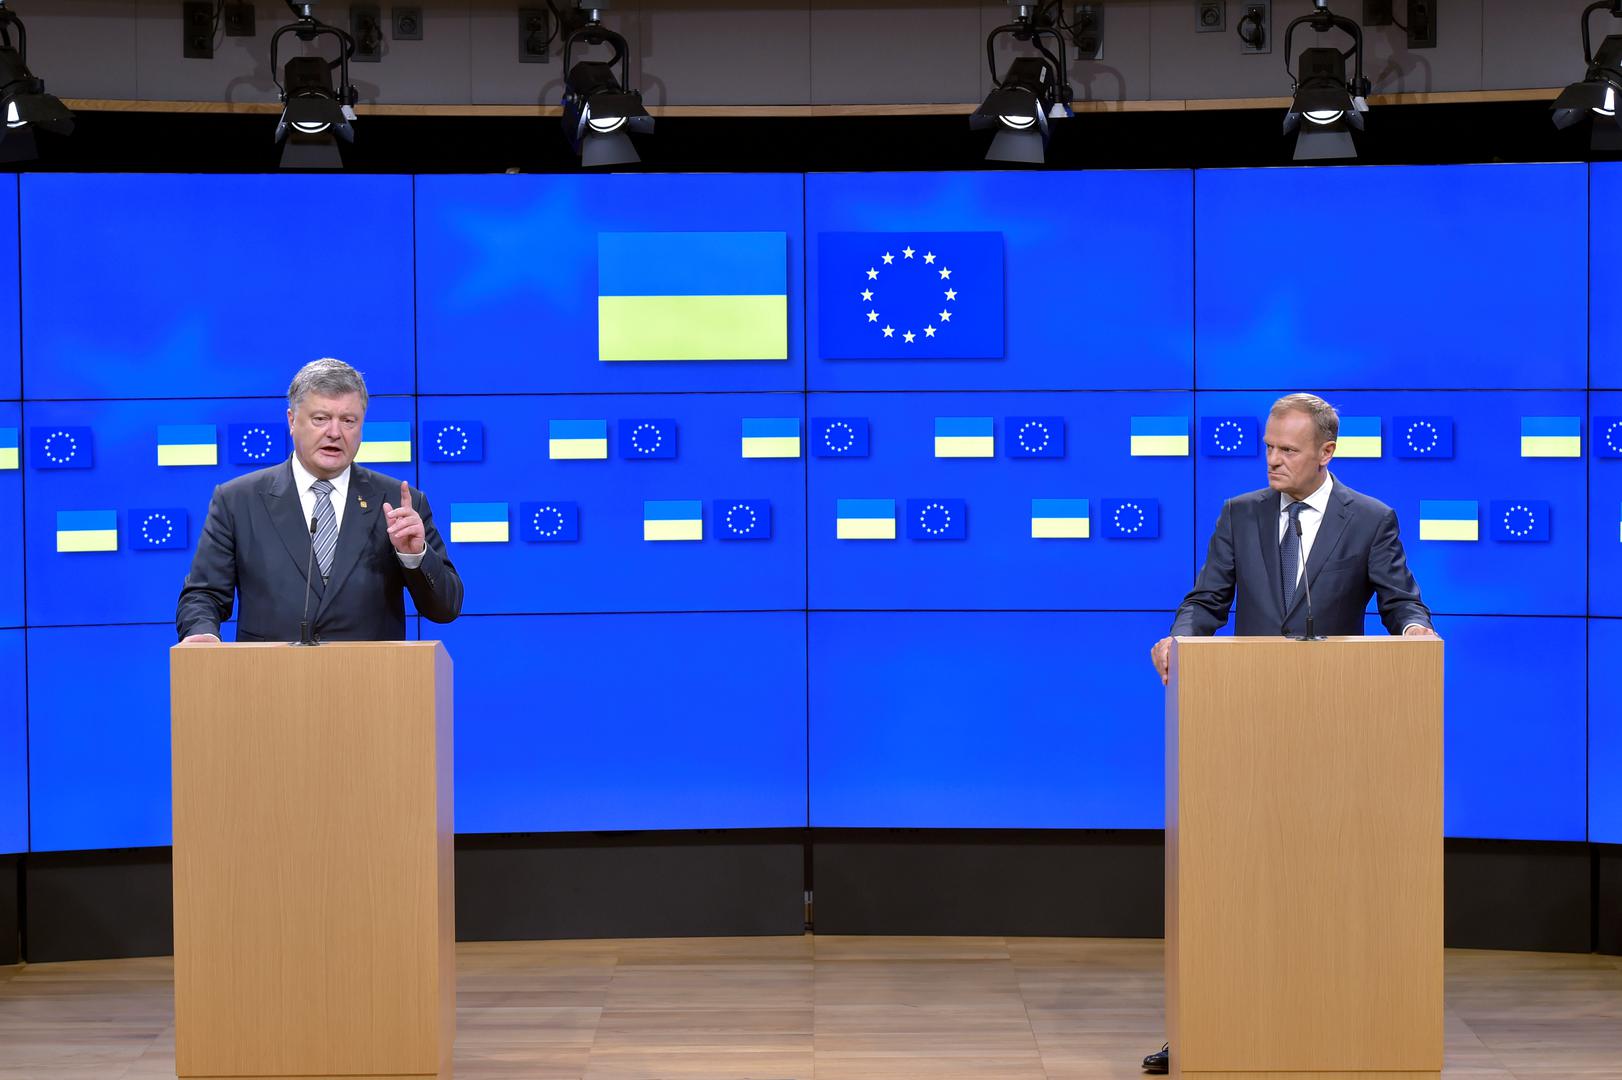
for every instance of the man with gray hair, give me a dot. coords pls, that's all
(318, 510)
(1304, 528)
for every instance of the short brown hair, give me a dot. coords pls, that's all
(1324, 416)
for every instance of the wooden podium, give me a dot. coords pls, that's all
(1304, 859)
(312, 861)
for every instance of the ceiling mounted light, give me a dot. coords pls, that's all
(599, 112)
(1327, 106)
(1034, 90)
(1595, 97)
(24, 104)
(315, 113)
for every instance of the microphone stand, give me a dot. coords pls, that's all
(304, 637)
(1306, 583)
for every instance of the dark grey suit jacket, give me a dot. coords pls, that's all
(1357, 554)
(256, 544)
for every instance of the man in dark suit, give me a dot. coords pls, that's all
(1347, 549)
(258, 539)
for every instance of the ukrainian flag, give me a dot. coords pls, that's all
(1551, 436)
(1449, 519)
(86, 530)
(964, 436)
(1160, 436)
(771, 436)
(679, 519)
(692, 296)
(479, 523)
(385, 440)
(577, 440)
(1359, 437)
(865, 519)
(188, 444)
(8, 448)
(1060, 519)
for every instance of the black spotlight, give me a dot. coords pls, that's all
(599, 112)
(23, 100)
(1595, 97)
(315, 114)
(1327, 105)
(1033, 90)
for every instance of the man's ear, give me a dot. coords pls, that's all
(1326, 452)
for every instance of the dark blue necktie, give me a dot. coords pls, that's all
(1289, 554)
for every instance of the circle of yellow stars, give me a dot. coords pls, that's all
(928, 258)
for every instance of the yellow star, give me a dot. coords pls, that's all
(908, 336)
(907, 251)
(929, 331)
(872, 274)
(872, 316)
(951, 294)
(867, 294)
(946, 316)
(888, 258)
(945, 273)
(929, 256)
(889, 331)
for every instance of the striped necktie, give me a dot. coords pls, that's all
(1289, 555)
(326, 525)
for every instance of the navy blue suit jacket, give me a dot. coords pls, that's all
(256, 544)
(1357, 554)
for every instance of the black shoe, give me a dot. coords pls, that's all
(1159, 1061)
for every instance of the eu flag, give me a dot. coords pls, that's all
(937, 519)
(1519, 520)
(159, 530)
(1130, 519)
(549, 522)
(906, 296)
(1228, 436)
(642, 439)
(255, 444)
(1424, 436)
(743, 519)
(1608, 436)
(453, 440)
(1035, 436)
(61, 447)
(839, 436)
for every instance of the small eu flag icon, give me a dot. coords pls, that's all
(549, 522)
(1035, 436)
(743, 519)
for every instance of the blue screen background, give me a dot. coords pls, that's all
(993, 681)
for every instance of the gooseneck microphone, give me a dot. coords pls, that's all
(304, 637)
(1306, 583)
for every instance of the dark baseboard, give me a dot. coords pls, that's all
(1515, 894)
(1608, 899)
(11, 942)
(1555, 897)
(651, 884)
(96, 905)
(983, 881)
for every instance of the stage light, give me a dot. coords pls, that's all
(1594, 98)
(315, 113)
(599, 112)
(1326, 106)
(24, 104)
(1034, 90)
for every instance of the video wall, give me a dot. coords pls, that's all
(835, 499)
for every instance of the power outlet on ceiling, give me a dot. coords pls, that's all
(1422, 24)
(197, 29)
(1087, 31)
(238, 19)
(366, 27)
(534, 36)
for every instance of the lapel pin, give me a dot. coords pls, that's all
(362, 503)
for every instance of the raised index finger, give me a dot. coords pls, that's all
(405, 495)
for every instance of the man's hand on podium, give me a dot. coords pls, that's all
(205, 639)
(1415, 630)
(1160, 656)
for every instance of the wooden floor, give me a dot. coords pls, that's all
(824, 1007)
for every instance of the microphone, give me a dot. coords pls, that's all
(304, 637)
(1306, 583)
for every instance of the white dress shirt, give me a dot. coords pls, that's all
(304, 480)
(1311, 517)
